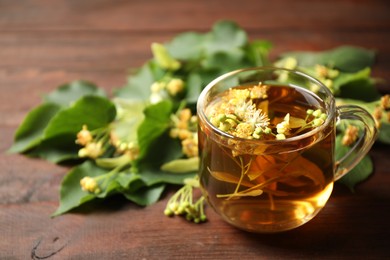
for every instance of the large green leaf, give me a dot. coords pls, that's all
(30, 132)
(93, 111)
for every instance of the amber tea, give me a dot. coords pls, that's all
(262, 187)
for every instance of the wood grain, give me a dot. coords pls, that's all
(46, 43)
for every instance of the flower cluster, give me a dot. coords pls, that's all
(185, 128)
(101, 143)
(92, 148)
(181, 203)
(166, 88)
(238, 115)
(326, 75)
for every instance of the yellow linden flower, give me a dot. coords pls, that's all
(89, 184)
(239, 94)
(175, 86)
(190, 146)
(284, 126)
(259, 91)
(84, 136)
(385, 102)
(92, 150)
(244, 130)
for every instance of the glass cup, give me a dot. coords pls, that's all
(274, 179)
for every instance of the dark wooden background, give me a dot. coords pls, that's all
(44, 43)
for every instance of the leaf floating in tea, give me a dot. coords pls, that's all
(303, 167)
(261, 165)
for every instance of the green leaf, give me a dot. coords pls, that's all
(344, 58)
(384, 133)
(57, 149)
(93, 111)
(147, 195)
(194, 87)
(225, 36)
(358, 174)
(71, 194)
(153, 176)
(226, 61)
(349, 59)
(29, 134)
(258, 52)
(57, 142)
(156, 122)
(66, 94)
(179, 46)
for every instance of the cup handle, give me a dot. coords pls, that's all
(363, 143)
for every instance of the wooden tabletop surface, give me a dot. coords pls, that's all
(46, 43)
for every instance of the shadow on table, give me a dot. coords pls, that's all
(349, 225)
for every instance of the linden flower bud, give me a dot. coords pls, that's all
(309, 111)
(318, 122)
(280, 137)
(157, 87)
(190, 147)
(175, 86)
(267, 130)
(185, 114)
(89, 184)
(91, 150)
(317, 113)
(378, 116)
(155, 98)
(290, 63)
(84, 136)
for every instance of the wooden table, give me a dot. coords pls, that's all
(46, 43)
